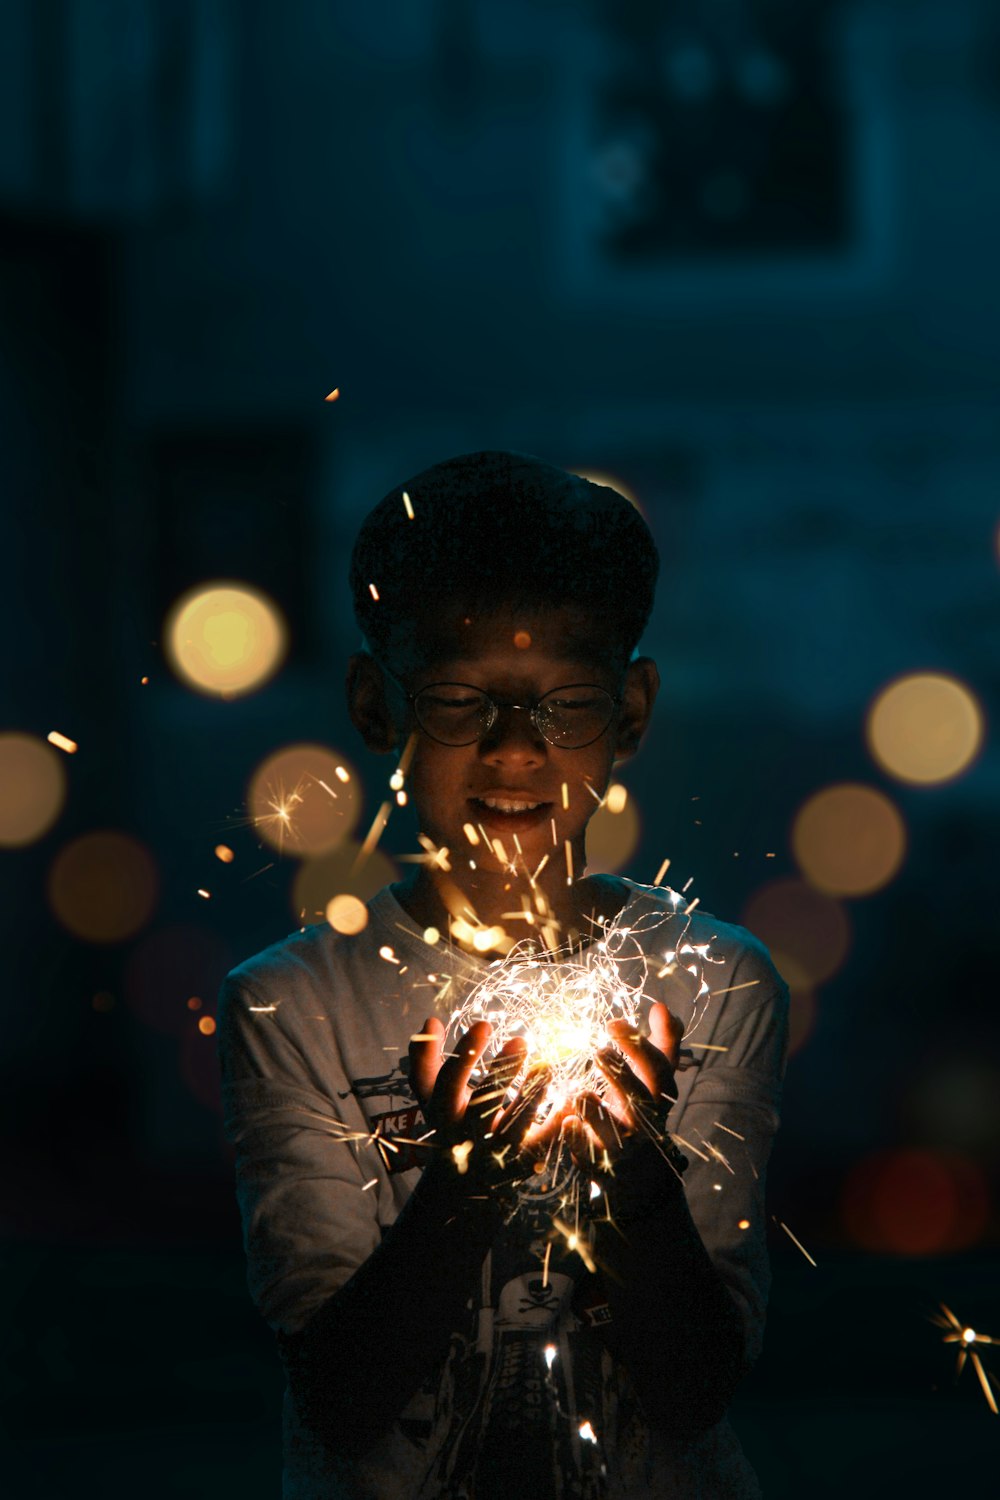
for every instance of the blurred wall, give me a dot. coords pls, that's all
(740, 257)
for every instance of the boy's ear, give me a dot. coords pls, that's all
(642, 683)
(367, 705)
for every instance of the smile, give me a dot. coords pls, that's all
(500, 804)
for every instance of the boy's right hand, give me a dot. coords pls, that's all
(489, 1136)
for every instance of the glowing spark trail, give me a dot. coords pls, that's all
(968, 1338)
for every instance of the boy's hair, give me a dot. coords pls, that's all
(494, 529)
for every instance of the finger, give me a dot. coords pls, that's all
(539, 1139)
(489, 1096)
(651, 1063)
(518, 1117)
(627, 1094)
(425, 1058)
(601, 1123)
(665, 1032)
(578, 1143)
(585, 1145)
(453, 1077)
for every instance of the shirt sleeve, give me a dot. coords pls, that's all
(308, 1222)
(727, 1128)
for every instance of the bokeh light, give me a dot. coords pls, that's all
(347, 914)
(304, 800)
(915, 1202)
(32, 789)
(103, 886)
(807, 931)
(925, 728)
(225, 638)
(318, 881)
(612, 837)
(849, 840)
(601, 476)
(169, 972)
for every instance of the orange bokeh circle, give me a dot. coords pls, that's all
(915, 1202)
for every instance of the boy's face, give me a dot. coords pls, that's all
(516, 658)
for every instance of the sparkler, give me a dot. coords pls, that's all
(967, 1339)
(563, 1004)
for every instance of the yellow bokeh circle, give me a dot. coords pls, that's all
(304, 799)
(347, 914)
(612, 837)
(103, 886)
(924, 728)
(342, 872)
(32, 789)
(225, 638)
(849, 840)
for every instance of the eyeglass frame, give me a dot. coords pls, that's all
(495, 706)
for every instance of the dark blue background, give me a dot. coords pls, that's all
(741, 256)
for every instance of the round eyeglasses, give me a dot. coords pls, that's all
(570, 717)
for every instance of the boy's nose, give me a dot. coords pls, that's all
(513, 738)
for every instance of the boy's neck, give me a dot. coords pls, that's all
(430, 897)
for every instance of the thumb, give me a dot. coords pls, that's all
(665, 1032)
(425, 1058)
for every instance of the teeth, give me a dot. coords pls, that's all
(499, 805)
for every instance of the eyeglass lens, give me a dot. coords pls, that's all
(571, 717)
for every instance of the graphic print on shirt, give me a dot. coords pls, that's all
(507, 1420)
(405, 1121)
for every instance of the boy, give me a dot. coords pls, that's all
(445, 1331)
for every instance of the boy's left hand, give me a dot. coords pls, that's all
(641, 1089)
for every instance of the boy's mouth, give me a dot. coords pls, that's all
(515, 814)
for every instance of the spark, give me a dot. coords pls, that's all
(565, 795)
(575, 1241)
(369, 1184)
(205, 895)
(224, 853)
(342, 773)
(62, 742)
(550, 1353)
(334, 394)
(460, 1153)
(661, 872)
(373, 591)
(262, 1009)
(373, 835)
(587, 1432)
(562, 1005)
(968, 1338)
(408, 505)
(798, 1243)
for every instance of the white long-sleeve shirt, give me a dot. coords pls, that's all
(313, 1036)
